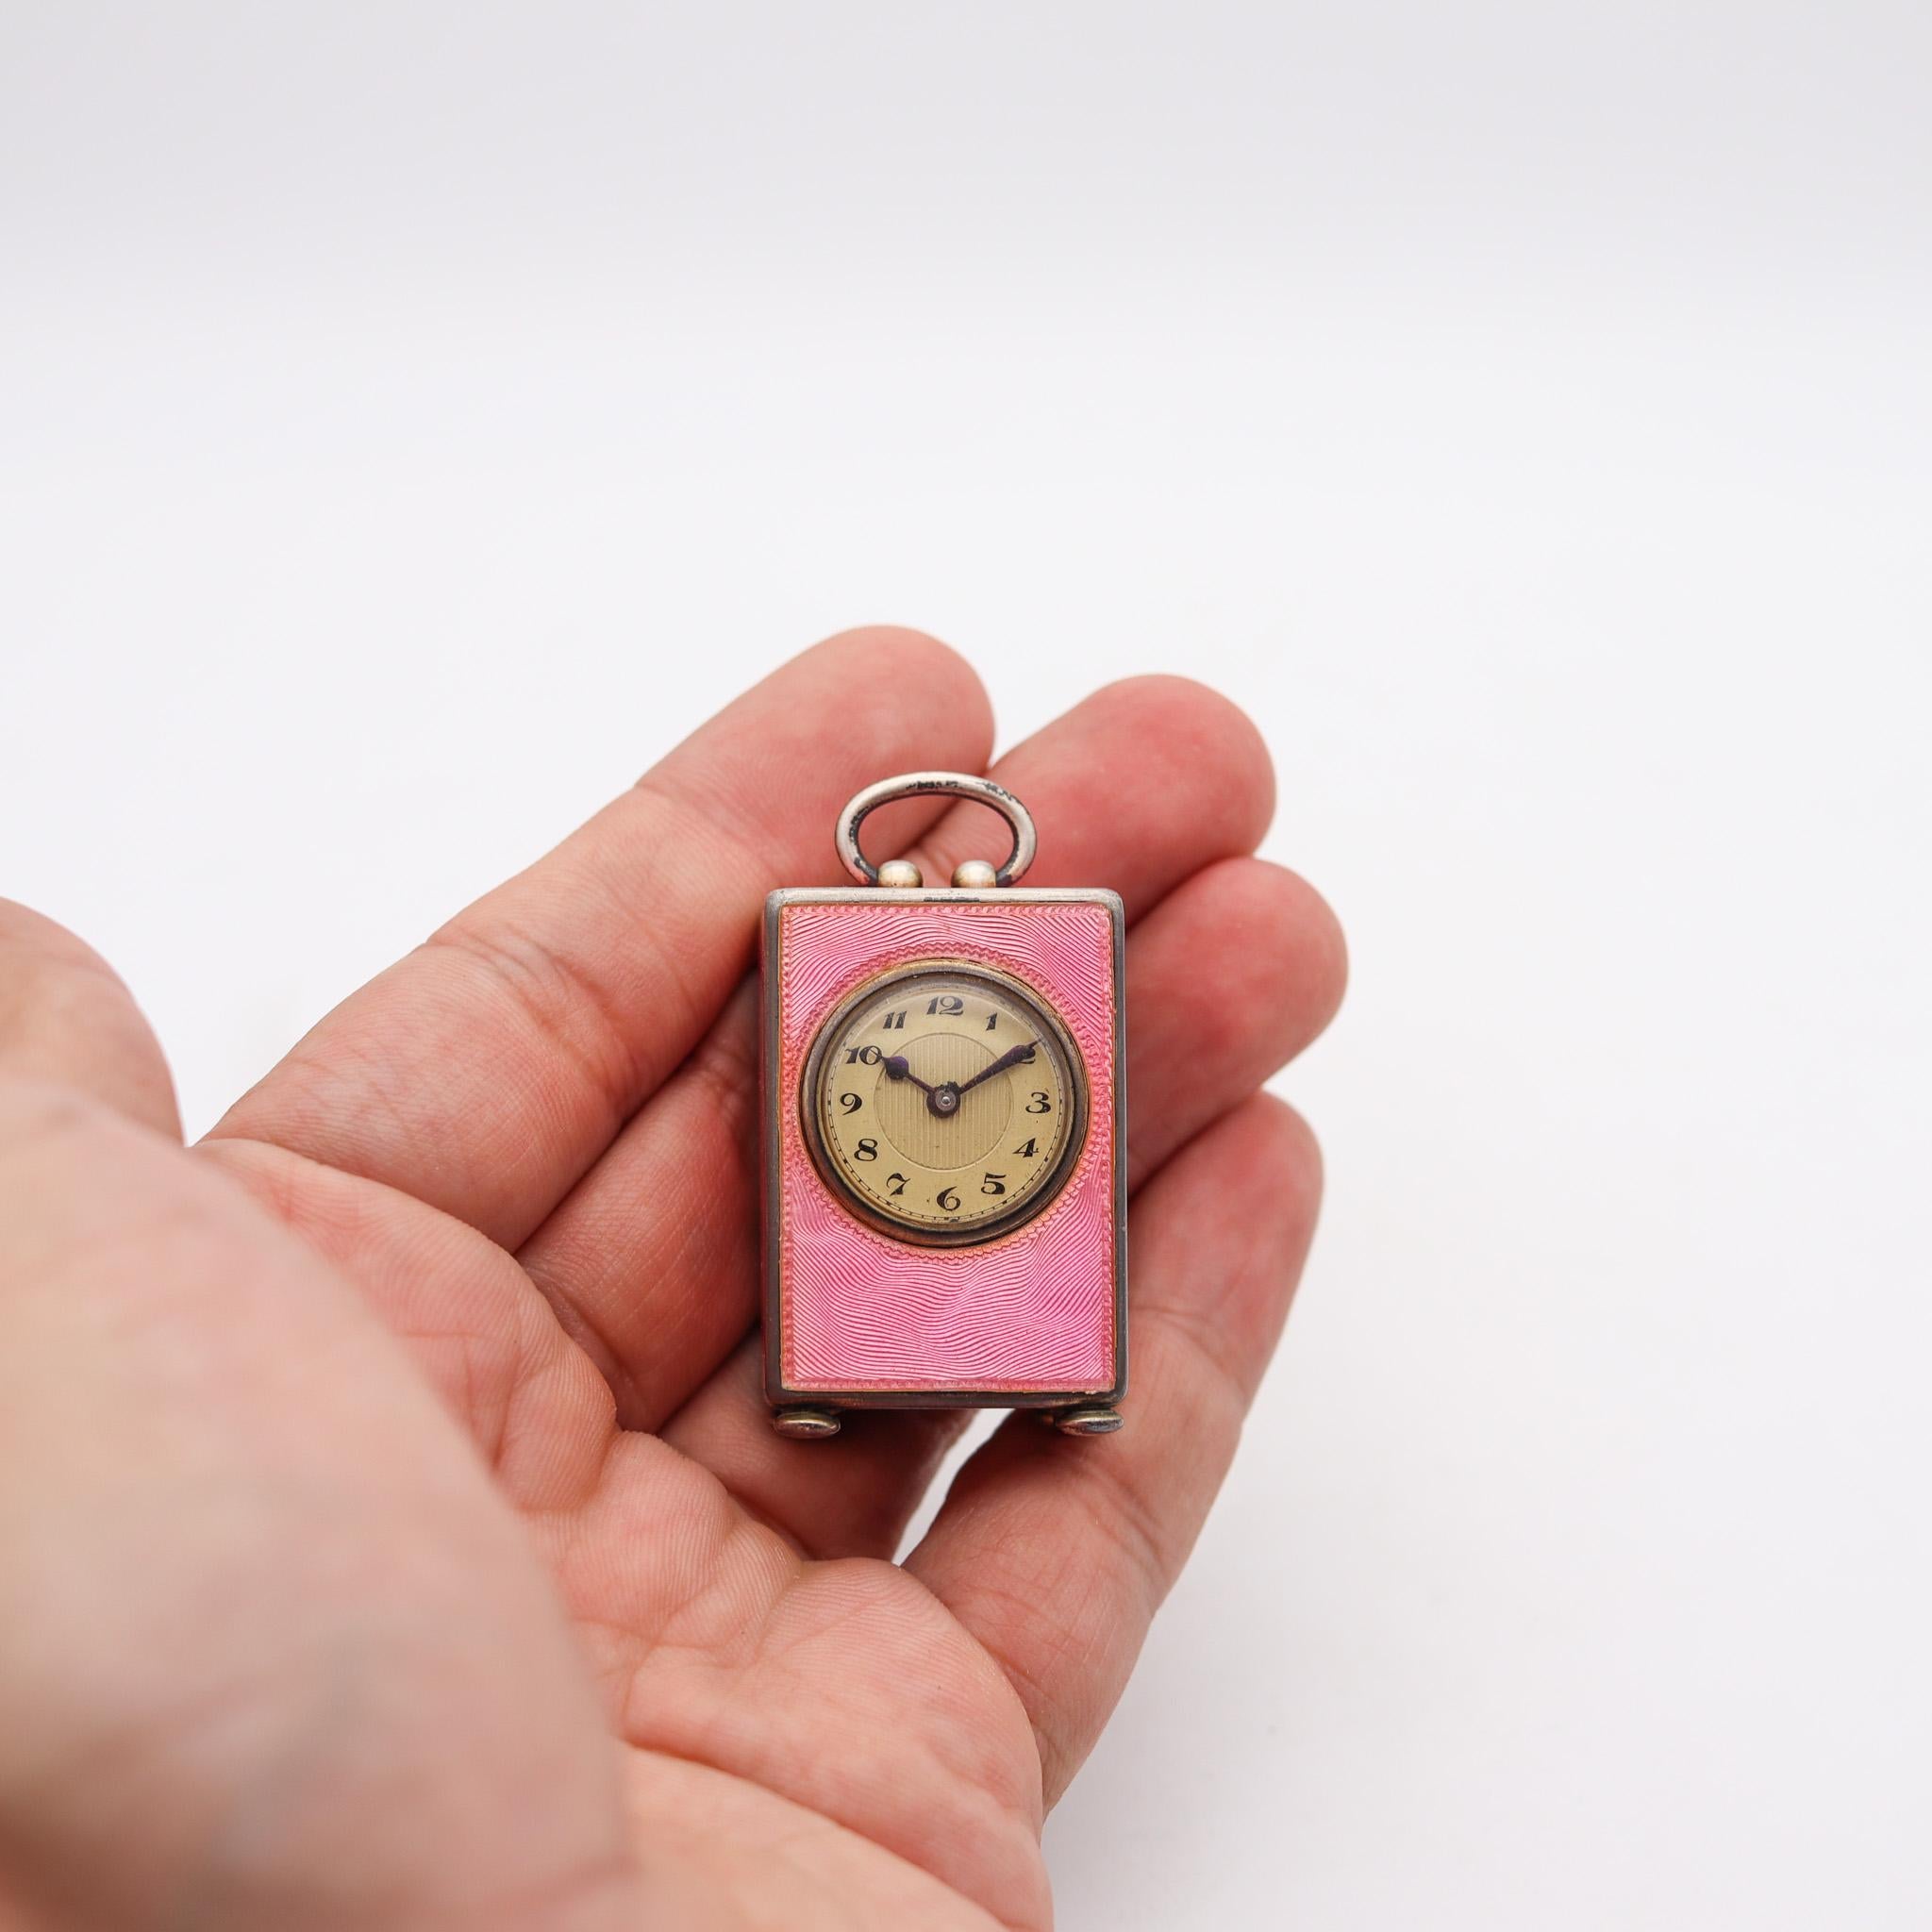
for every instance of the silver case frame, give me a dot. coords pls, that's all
(771, 1108)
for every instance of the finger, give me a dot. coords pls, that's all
(1134, 788)
(1228, 980)
(485, 1072)
(651, 1263)
(1203, 1037)
(1040, 1535)
(66, 1018)
(849, 1497)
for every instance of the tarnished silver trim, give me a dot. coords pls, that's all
(928, 785)
(770, 1110)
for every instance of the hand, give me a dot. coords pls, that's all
(899, 1067)
(391, 1534)
(943, 1099)
(1013, 1057)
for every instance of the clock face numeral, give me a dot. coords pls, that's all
(919, 1082)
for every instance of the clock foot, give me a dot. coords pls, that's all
(1086, 1419)
(805, 1425)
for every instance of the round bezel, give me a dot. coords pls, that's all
(1044, 1189)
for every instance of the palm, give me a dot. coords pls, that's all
(528, 1148)
(838, 1687)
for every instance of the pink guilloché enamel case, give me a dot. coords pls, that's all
(944, 1159)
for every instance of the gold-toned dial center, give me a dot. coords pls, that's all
(950, 1136)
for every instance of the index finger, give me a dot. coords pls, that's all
(487, 1070)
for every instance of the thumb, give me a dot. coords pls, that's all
(66, 1019)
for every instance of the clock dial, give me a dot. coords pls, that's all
(944, 1104)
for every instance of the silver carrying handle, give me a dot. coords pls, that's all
(928, 785)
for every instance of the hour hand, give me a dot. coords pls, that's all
(1013, 1057)
(897, 1069)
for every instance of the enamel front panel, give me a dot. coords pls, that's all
(1032, 1311)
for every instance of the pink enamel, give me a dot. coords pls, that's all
(1033, 1310)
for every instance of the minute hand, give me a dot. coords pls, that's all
(1013, 1057)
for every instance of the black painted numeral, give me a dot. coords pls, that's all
(867, 1149)
(948, 1200)
(896, 1183)
(993, 1019)
(1027, 1152)
(850, 1102)
(993, 1184)
(1038, 1103)
(863, 1056)
(945, 1002)
(895, 1020)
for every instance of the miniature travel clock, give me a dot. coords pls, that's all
(944, 1152)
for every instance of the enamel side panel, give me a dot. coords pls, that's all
(1031, 1313)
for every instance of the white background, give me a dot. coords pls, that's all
(414, 418)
